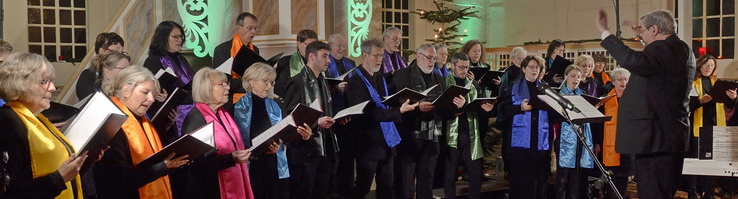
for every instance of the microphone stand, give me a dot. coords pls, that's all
(606, 175)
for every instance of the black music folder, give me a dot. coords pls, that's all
(195, 144)
(478, 72)
(59, 112)
(704, 143)
(487, 77)
(397, 99)
(286, 129)
(588, 114)
(162, 109)
(446, 100)
(477, 103)
(594, 100)
(340, 78)
(718, 90)
(95, 125)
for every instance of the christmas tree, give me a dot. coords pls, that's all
(449, 20)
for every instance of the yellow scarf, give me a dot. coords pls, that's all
(142, 142)
(49, 148)
(698, 114)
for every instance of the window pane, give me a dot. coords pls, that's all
(728, 26)
(404, 4)
(49, 2)
(50, 53)
(387, 4)
(405, 31)
(713, 27)
(34, 34)
(398, 19)
(405, 18)
(34, 16)
(713, 7)
(397, 4)
(65, 35)
(696, 28)
(728, 7)
(696, 8)
(49, 16)
(80, 52)
(80, 36)
(65, 3)
(387, 17)
(713, 47)
(66, 52)
(79, 3)
(65, 17)
(49, 34)
(34, 49)
(696, 45)
(34, 2)
(728, 48)
(79, 17)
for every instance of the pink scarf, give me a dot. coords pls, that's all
(234, 181)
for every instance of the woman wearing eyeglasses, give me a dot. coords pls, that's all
(41, 162)
(619, 164)
(226, 173)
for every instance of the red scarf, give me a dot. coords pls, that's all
(234, 181)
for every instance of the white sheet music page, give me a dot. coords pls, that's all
(269, 133)
(205, 134)
(353, 110)
(725, 143)
(226, 66)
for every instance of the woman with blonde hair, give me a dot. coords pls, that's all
(41, 162)
(116, 175)
(106, 65)
(589, 85)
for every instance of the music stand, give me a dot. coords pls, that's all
(588, 114)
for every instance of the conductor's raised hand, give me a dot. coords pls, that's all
(70, 168)
(602, 21)
(525, 106)
(176, 162)
(633, 26)
(325, 122)
(241, 156)
(304, 131)
(407, 106)
(426, 106)
(459, 101)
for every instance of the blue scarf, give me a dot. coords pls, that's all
(443, 71)
(569, 141)
(391, 136)
(2, 102)
(521, 126)
(333, 67)
(242, 116)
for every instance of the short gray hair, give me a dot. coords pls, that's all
(131, 76)
(19, 71)
(619, 72)
(423, 48)
(389, 30)
(439, 46)
(518, 50)
(5, 47)
(334, 36)
(662, 19)
(366, 45)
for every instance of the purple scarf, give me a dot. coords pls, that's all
(387, 64)
(184, 73)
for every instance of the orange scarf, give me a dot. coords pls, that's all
(236, 45)
(144, 141)
(609, 156)
(605, 77)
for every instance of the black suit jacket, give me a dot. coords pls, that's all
(653, 111)
(223, 52)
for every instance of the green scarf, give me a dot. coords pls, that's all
(452, 125)
(296, 63)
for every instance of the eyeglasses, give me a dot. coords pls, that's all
(395, 39)
(378, 56)
(428, 57)
(223, 84)
(46, 82)
(622, 79)
(642, 30)
(177, 36)
(270, 82)
(252, 28)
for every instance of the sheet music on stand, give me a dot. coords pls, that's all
(588, 114)
(725, 143)
(724, 155)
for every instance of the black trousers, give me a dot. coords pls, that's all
(657, 175)
(366, 170)
(473, 168)
(620, 176)
(346, 164)
(265, 177)
(309, 179)
(571, 183)
(420, 166)
(528, 178)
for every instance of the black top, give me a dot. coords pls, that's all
(223, 51)
(463, 120)
(259, 116)
(517, 153)
(283, 75)
(86, 84)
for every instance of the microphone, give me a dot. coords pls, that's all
(546, 89)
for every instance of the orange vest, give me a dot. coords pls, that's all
(609, 156)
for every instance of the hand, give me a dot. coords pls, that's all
(459, 101)
(325, 122)
(524, 106)
(426, 106)
(598, 105)
(171, 118)
(342, 86)
(273, 148)
(558, 78)
(176, 162)
(497, 81)
(731, 93)
(59, 125)
(344, 121)
(705, 98)
(633, 26)
(407, 106)
(101, 153)
(241, 156)
(70, 169)
(487, 107)
(597, 148)
(602, 21)
(162, 96)
(304, 131)
(470, 75)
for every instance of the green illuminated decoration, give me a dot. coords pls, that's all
(201, 22)
(359, 17)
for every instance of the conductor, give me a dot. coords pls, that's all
(653, 123)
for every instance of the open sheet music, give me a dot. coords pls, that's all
(287, 127)
(589, 113)
(95, 125)
(340, 78)
(194, 144)
(357, 109)
(399, 98)
(446, 100)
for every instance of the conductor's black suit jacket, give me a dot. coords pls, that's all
(653, 111)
